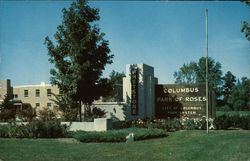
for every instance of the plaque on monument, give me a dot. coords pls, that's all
(134, 91)
(181, 101)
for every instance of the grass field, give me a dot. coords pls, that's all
(178, 146)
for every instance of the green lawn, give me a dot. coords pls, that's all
(178, 146)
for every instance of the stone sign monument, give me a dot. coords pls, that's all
(143, 98)
(138, 91)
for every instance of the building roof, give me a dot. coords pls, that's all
(37, 85)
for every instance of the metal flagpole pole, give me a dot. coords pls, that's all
(207, 66)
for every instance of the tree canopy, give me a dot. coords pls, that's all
(79, 55)
(186, 74)
(7, 109)
(195, 72)
(115, 79)
(239, 97)
(230, 95)
(245, 25)
(229, 81)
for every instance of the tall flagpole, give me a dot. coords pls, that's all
(207, 66)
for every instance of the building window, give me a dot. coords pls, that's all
(37, 104)
(48, 104)
(15, 96)
(37, 92)
(26, 93)
(49, 92)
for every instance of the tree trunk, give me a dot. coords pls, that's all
(80, 112)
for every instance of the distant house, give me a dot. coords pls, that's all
(36, 95)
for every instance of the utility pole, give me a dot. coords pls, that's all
(207, 66)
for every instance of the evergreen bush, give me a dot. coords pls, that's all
(118, 135)
(34, 129)
(225, 122)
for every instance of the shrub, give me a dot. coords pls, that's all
(121, 124)
(167, 125)
(7, 109)
(35, 129)
(225, 108)
(141, 134)
(196, 123)
(221, 122)
(118, 135)
(244, 122)
(46, 114)
(7, 115)
(49, 129)
(232, 121)
(100, 136)
(190, 124)
(96, 112)
(27, 114)
(6, 130)
(70, 115)
(164, 124)
(174, 124)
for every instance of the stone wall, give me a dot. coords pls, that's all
(115, 110)
(100, 124)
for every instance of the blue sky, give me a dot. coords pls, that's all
(164, 35)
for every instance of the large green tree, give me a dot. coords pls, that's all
(195, 72)
(245, 25)
(239, 98)
(115, 79)
(229, 81)
(214, 73)
(186, 74)
(7, 109)
(79, 55)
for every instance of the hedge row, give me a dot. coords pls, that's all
(118, 135)
(232, 121)
(165, 124)
(221, 122)
(35, 129)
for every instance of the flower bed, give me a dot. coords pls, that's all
(221, 122)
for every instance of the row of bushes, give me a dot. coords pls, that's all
(143, 129)
(232, 121)
(166, 124)
(29, 114)
(35, 129)
(54, 129)
(118, 135)
(221, 122)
